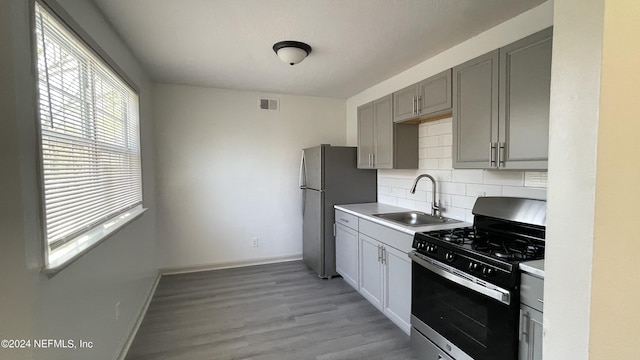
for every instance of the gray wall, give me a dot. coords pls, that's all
(79, 302)
(228, 171)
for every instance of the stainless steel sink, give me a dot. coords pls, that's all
(414, 218)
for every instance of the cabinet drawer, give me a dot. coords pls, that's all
(532, 291)
(347, 219)
(387, 236)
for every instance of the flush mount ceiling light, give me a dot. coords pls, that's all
(291, 52)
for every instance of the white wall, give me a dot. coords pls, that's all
(574, 113)
(228, 171)
(79, 302)
(520, 26)
(457, 189)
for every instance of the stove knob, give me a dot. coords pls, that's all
(474, 266)
(450, 256)
(488, 271)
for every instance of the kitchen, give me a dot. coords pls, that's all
(574, 289)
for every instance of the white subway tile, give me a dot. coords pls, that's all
(439, 129)
(422, 130)
(431, 141)
(405, 183)
(406, 203)
(422, 153)
(467, 176)
(444, 200)
(423, 206)
(384, 190)
(469, 217)
(453, 188)
(419, 195)
(399, 192)
(465, 202)
(488, 190)
(445, 140)
(510, 178)
(428, 164)
(448, 151)
(439, 152)
(385, 181)
(527, 192)
(390, 200)
(445, 164)
(455, 213)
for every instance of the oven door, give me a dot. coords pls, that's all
(467, 319)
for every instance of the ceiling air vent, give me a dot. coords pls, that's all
(269, 104)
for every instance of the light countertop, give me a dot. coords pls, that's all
(366, 211)
(533, 267)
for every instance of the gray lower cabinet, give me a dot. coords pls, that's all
(531, 307)
(501, 106)
(373, 259)
(428, 97)
(382, 144)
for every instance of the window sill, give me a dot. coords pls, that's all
(65, 255)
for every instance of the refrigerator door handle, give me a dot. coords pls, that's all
(302, 179)
(304, 199)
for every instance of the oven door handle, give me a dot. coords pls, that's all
(495, 293)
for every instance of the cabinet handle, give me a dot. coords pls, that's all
(373, 160)
(419, 105)
(370, 160)
(415, 105)
(334, 229)
(384, 255)
(379, 253)
(492, 153)
(501, 155)
(524, 326)
(344, 220)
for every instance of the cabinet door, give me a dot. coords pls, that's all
(434, 93)
(397, 287)
(475, 111)
(530, 334)
(371, 270)
(382, 113)
(347, 254)
(525, 82)
(404, 105)
(366, 128)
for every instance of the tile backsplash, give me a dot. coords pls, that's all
(457, 188)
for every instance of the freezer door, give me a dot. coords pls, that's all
(313, 168)
(312, 235)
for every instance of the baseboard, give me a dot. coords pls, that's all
(136, 326)
(229, 264)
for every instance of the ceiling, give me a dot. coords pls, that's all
(356, 43)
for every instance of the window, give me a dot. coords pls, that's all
(89, 139)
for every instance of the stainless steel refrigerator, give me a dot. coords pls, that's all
(329, 176)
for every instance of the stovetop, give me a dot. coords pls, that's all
(490, 250)
(498, 246)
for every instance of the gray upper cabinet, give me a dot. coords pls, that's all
(501, 107)
(365, 135)
(525, 81)
(475, 111)
(428, 97)
(383, 144)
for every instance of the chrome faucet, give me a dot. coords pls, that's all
(435, 206)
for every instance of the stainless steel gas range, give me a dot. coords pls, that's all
(465, 281)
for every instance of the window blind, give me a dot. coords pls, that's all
(89, 131)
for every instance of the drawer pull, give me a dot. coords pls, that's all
(344, 220)
(541, 301)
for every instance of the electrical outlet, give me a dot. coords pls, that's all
(118, 310)
(254, 242)
(481, 194)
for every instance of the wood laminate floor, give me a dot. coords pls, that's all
(267, 312)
